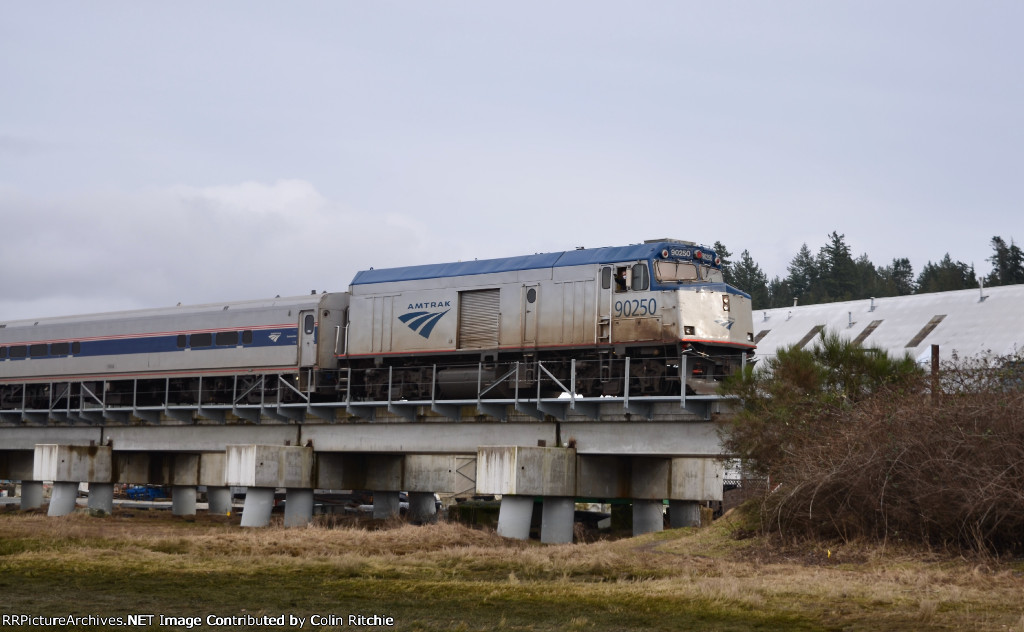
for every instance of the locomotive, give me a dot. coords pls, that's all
(653, 318)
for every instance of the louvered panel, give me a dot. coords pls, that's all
(478, 319)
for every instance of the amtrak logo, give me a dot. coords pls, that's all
(725, 323)
(422, 322)
(274, 337)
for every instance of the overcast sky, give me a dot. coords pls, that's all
(156, 153)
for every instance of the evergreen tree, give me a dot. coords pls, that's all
(779, 293)
(749, 277)
(897, 278)
(1007, 263)
(724, 254)
(869, 279)
(803, 274)
(837, 272)
(945, 276)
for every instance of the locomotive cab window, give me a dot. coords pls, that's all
(606, 278)
(307, 324)
(641, 279)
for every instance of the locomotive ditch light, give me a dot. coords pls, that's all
(750, 336)
(725, 302)
(688, 330)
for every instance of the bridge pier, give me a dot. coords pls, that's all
(31, 494)
(556, 526)
(259, 502)
(218, 499)
(183, 500)
(263, 468)
(298, 508)
(101, 498)
(422, 508)
(684, 513)
(515, 516)
(519, 474)
(67, 466)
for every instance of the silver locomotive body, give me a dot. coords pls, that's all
(654, 303)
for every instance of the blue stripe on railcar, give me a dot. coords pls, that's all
(284, 337)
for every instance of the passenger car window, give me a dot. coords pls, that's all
(227, 338)
(308, 324)
(200, 340)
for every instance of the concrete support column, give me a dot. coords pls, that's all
(259, 501)
(422, 508)
(219, 500)
(31, 494)
(557, 520)
(684, 513)
(62, 500)
(385, 505)
(263, 468)
(514, 517)
(183, 500)
(101, 498)
(648, 516)
(298, 508)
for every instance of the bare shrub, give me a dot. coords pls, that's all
(888, 459)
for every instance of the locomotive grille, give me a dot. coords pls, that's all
(478, 319)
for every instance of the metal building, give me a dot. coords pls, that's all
(965, 322)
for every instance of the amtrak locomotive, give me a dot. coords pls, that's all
(649, 318)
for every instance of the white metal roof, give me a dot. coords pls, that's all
(965, 322)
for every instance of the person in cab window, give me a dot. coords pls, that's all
(620, 280)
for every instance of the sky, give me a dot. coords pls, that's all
(192, 152)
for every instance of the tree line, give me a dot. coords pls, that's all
(833, 274)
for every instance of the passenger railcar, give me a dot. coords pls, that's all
(146, 356)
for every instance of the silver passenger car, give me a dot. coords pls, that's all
(168, 349)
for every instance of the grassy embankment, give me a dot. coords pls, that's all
(450, 577)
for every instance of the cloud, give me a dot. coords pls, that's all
(107, 251)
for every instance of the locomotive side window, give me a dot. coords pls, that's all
(307, 324)
(606, 278)
(200, 340)
(641, 279)
(227, 338)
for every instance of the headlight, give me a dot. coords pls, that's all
(725, 302)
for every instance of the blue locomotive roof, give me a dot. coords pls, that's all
(613, 254)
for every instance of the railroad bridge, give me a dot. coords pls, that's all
(645, 449)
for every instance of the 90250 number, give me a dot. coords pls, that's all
(636, 307)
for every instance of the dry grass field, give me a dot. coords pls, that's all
(451, 577)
